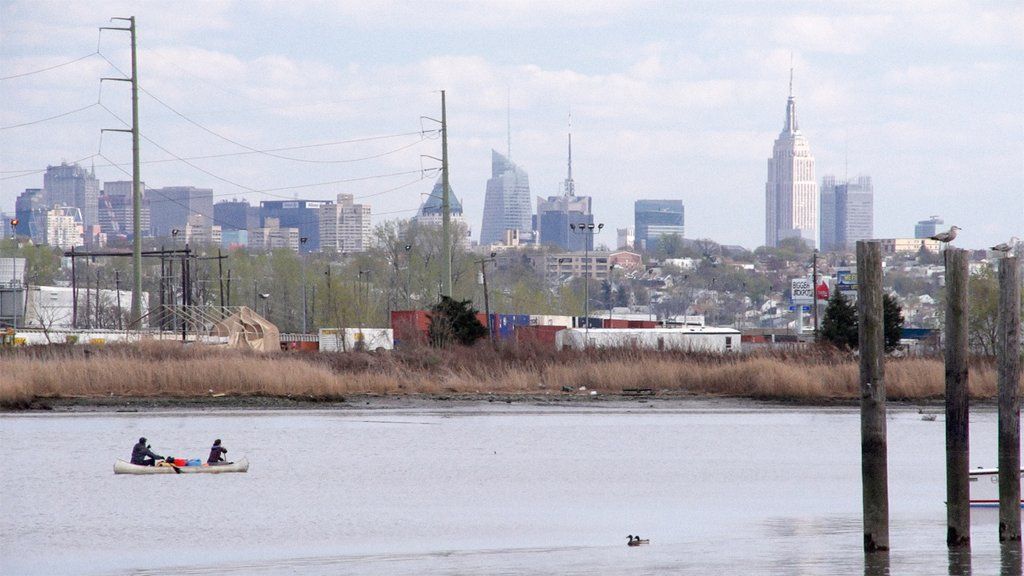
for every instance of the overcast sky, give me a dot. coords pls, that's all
(668, 100)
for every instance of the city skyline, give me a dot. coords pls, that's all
(922, 102)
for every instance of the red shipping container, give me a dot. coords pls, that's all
(410, 325)
(613, 323)
(642, 324)
(539, 334)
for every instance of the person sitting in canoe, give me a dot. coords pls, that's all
(217, 453)
(142, 455)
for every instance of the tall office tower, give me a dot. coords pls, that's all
(170, 208)
(653, 219)
(30, 210)
(791, 192)
(236, 214)
(272, 236)
(70, 185)
(345, 226)
(556, 213)
(923, 229)
(115, 209)
(430, 213)
(301, 214)
(507, 202)
(625, 238)
(847, 212)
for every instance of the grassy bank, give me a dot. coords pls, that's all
(169, 370)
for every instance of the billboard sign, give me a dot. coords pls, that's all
(846, 280)
(802, 291)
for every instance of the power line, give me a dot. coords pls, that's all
(29, 171)
(47, 69)
(41, 120)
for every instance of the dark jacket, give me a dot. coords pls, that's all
(140, 451)
(216, 454)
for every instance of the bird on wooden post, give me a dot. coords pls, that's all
(947, 236)
(1006, 247)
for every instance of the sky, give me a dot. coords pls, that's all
(308, 99)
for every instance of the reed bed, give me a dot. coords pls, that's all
(169, 370)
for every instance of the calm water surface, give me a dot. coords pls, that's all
(718, 487)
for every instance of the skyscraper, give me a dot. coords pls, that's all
(653, 219)
(170, 208)
(345, 226)
(30, 210)
(556, 213)
(430, 213)
(236, 215)
(847, 212)
(301, 214)
(507, 203)
(115, 209)
(791, 191)
(923, 229)
(71, 185)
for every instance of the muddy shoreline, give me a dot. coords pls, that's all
(418, 401)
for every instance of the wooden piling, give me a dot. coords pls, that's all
(873, 445)
(958, 511)
(1008, 355)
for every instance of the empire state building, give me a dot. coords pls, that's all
(791, 191)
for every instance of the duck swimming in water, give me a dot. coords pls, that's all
(636, 541)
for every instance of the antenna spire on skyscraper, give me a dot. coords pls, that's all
(790, 74)
(570, 186)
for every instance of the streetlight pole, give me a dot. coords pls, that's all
(487, 303)
(302, 255)
(586, 229)
(408, 276)
(815, 293)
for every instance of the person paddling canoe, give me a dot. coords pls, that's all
(217, 453)
(142, 455)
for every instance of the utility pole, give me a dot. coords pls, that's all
(446, 215)
(136, 310)
(815, 296)
(487, 303)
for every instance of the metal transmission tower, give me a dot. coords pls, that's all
(136, 309)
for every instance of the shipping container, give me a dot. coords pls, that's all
(351, 339)
(540, 334)
(696, 338)
(551, 320)
(613, 323)
(410, 326)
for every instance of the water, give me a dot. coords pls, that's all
(718, 487)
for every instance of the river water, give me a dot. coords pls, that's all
(724, 487)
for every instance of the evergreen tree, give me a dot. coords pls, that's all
(454, 321)
(892, 314)
(839, 327)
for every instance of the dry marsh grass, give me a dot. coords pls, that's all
(170, 370)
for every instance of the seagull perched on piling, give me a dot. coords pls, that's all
(1005, 247)
(947, 236)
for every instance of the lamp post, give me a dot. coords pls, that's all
(408, 276)
(587, 230)
(265, 297)
(487, 304)
(302, 255)
(814, 291)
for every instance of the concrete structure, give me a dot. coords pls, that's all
(272, 236)
(345, 226)
(596, 265)
(72, 186)
(690, 338)
(236, 215)
(197, 232)
(170, 208)
(791, 190)
(303, 215)
(653, 219)
(908, 245)
(64, 227)
(928, 228)
(625, 238)
(847, 212)
(507, 201)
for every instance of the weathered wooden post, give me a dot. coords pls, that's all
(1008, 354)
(958, 499)
(873, 445)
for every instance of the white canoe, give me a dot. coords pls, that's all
(122, 467)
(984, 484)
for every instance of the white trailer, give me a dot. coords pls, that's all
(691, 338)
(371, 339)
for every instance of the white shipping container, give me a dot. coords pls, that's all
(550, 320)
(694, 338)
(356, 339)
